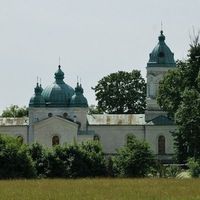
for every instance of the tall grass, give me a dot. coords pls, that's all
(100, 189)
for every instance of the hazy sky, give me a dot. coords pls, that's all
(92, 37)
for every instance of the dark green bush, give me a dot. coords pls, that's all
(194, 167)
(134, 159)
(39, 156)
(15, 161)
(74, 161)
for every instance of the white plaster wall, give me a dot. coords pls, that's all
(113, 137)
(15, 131)
(152, 134)
(38, 114)
(84, 138)
(154, 76)
(81, 115)
(44, 131)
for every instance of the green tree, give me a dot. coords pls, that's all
(121, 92)
(94, 158)
(14, 159)
(39, 156)
(179, 96)
(15, 111)
(171, 88)
(194, 167)
(78, 160)
(94, 110)
(134, 159)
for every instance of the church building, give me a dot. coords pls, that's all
(58, 114)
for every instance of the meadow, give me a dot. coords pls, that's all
(100, 189)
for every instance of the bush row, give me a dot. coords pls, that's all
(72, 161)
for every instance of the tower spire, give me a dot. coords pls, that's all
(161, 26)
(59, 60)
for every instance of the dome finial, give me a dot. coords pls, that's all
(161, 37)
(59, 66)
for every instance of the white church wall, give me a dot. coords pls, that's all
(15, 131)
(152, 134)
(81, 115)
(84, 138)
(38, 114)
(114, 137)
(45, 130)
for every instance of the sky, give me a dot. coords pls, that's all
(93, 38)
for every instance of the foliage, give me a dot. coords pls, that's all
(14, 159)
(194, 167)
(39, 156)
(69, 161)
(74, 161)
(95, 158)
(121, 92)
(94, 110)
(171, 87)
(134, 159)
(172, 171)
(15, 111)
(188, 119)
(179, 95)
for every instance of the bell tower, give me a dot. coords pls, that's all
(161, 59)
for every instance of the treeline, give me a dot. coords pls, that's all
(87, 159)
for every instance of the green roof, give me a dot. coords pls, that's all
(78, 100)
(59, 93)
(37, 100)
(161, 56)
(161, 120)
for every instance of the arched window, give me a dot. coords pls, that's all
(55, 140)
(20, 139)
(96, 138)
(161, 145)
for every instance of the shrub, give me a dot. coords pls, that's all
(172, 171)
(14, 159)
(74, 161)
(95, 159)
(39, 156)
(134, 159)
(194, 167)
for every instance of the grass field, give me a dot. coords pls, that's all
(105, 189)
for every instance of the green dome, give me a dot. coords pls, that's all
(59, 93)
(161, 56)
(37, 100)
(78, 100)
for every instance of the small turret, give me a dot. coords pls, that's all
(59, 75)
(37, 100)
(78, 99)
